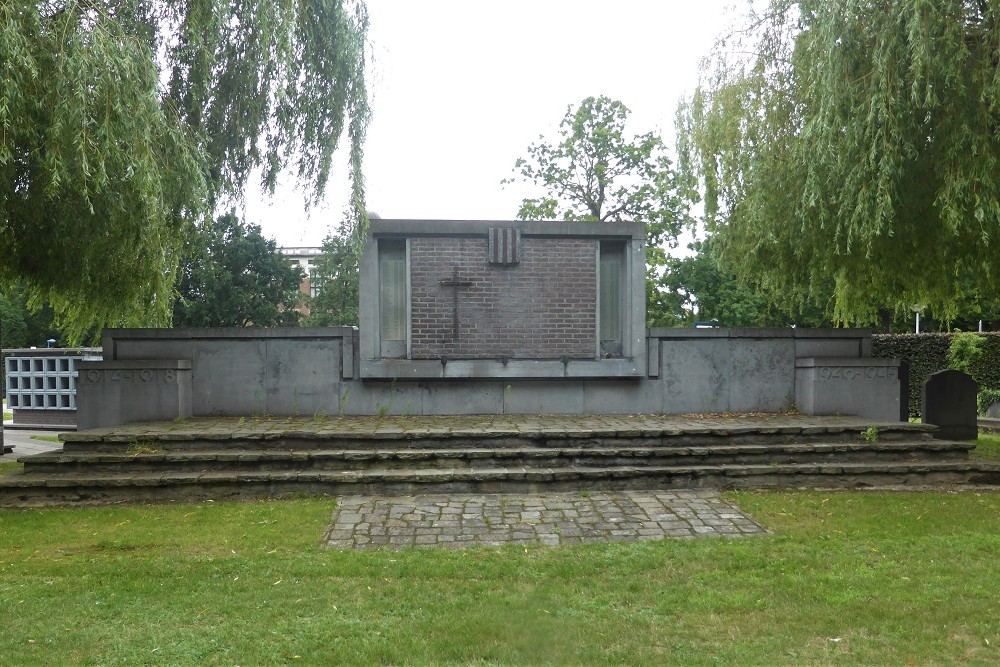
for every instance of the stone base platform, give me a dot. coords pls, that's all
(197, 459)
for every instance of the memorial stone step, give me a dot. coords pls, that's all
(222, 459)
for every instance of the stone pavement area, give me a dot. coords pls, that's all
(539, 519)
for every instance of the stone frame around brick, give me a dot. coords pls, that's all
(630, 365)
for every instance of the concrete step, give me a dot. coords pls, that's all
(139, 441)
(268, 459)
(34, 490)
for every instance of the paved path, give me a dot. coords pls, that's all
(546, 518)
(25, 442)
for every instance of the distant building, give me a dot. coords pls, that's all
(304, 257)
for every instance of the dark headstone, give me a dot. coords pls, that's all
(948, 400)
(904, 390)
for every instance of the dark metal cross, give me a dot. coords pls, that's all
(455, 284)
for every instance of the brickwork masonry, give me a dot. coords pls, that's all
(541, 308)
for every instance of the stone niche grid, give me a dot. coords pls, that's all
(465, 314)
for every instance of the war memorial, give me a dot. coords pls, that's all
(471, 317)
(490, 356)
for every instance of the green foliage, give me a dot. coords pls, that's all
(335, 273)
(121, 122)
(13, 328)
(985, 399)
(234, 277)
(596, 173)
(964, 351)
(854, 142)
(929, 353)
(870, 435)
(923, 353)
(26, 327)
(706, 288)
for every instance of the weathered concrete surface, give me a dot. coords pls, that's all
(230, 458)
(119, 392)
(305, 372)
(837, 385)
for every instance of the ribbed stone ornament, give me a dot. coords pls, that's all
(504, 245)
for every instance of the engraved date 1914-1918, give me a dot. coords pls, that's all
(144, 375)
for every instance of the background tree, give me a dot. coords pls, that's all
(335, 273)
(706, 288)
(122, 121)
(596, 173)
(857, 144)
(232, 276)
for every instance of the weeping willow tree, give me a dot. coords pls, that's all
(854, 141)
(123, 121)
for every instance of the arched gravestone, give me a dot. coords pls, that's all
(948, 400)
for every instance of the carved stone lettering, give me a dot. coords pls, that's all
(132, 376)
(872, 373)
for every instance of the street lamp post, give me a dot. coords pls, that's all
(917, 308)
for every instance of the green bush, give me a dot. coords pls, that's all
(933, 352)
(985, 399)
(964, 351)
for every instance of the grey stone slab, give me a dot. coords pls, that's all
(302, 377)
(228, 377)
(694, 375)
(607, 397)
(463, 398)
(762, 375)
(118, 392)
(380, 398)
(544, 397)
(863, 387)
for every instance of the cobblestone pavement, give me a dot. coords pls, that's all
(545, 518)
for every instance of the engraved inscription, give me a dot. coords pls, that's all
(144, 376)
(872, 373)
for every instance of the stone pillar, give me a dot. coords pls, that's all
(840, 385)
(110, 393)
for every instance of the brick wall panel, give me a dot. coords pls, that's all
(542, 308)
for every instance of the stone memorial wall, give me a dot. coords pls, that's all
(490, 318)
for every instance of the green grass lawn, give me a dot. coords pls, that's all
(987, 447)
(845, 578)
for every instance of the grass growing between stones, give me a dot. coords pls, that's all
(846, 578)
(987, 447)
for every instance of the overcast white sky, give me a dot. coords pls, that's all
(459, 89)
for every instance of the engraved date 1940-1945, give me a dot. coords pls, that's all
(865, 373)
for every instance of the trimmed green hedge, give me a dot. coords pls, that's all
(928, 353)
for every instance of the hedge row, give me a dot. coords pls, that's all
(928, 353)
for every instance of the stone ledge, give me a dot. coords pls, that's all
(530, 369)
